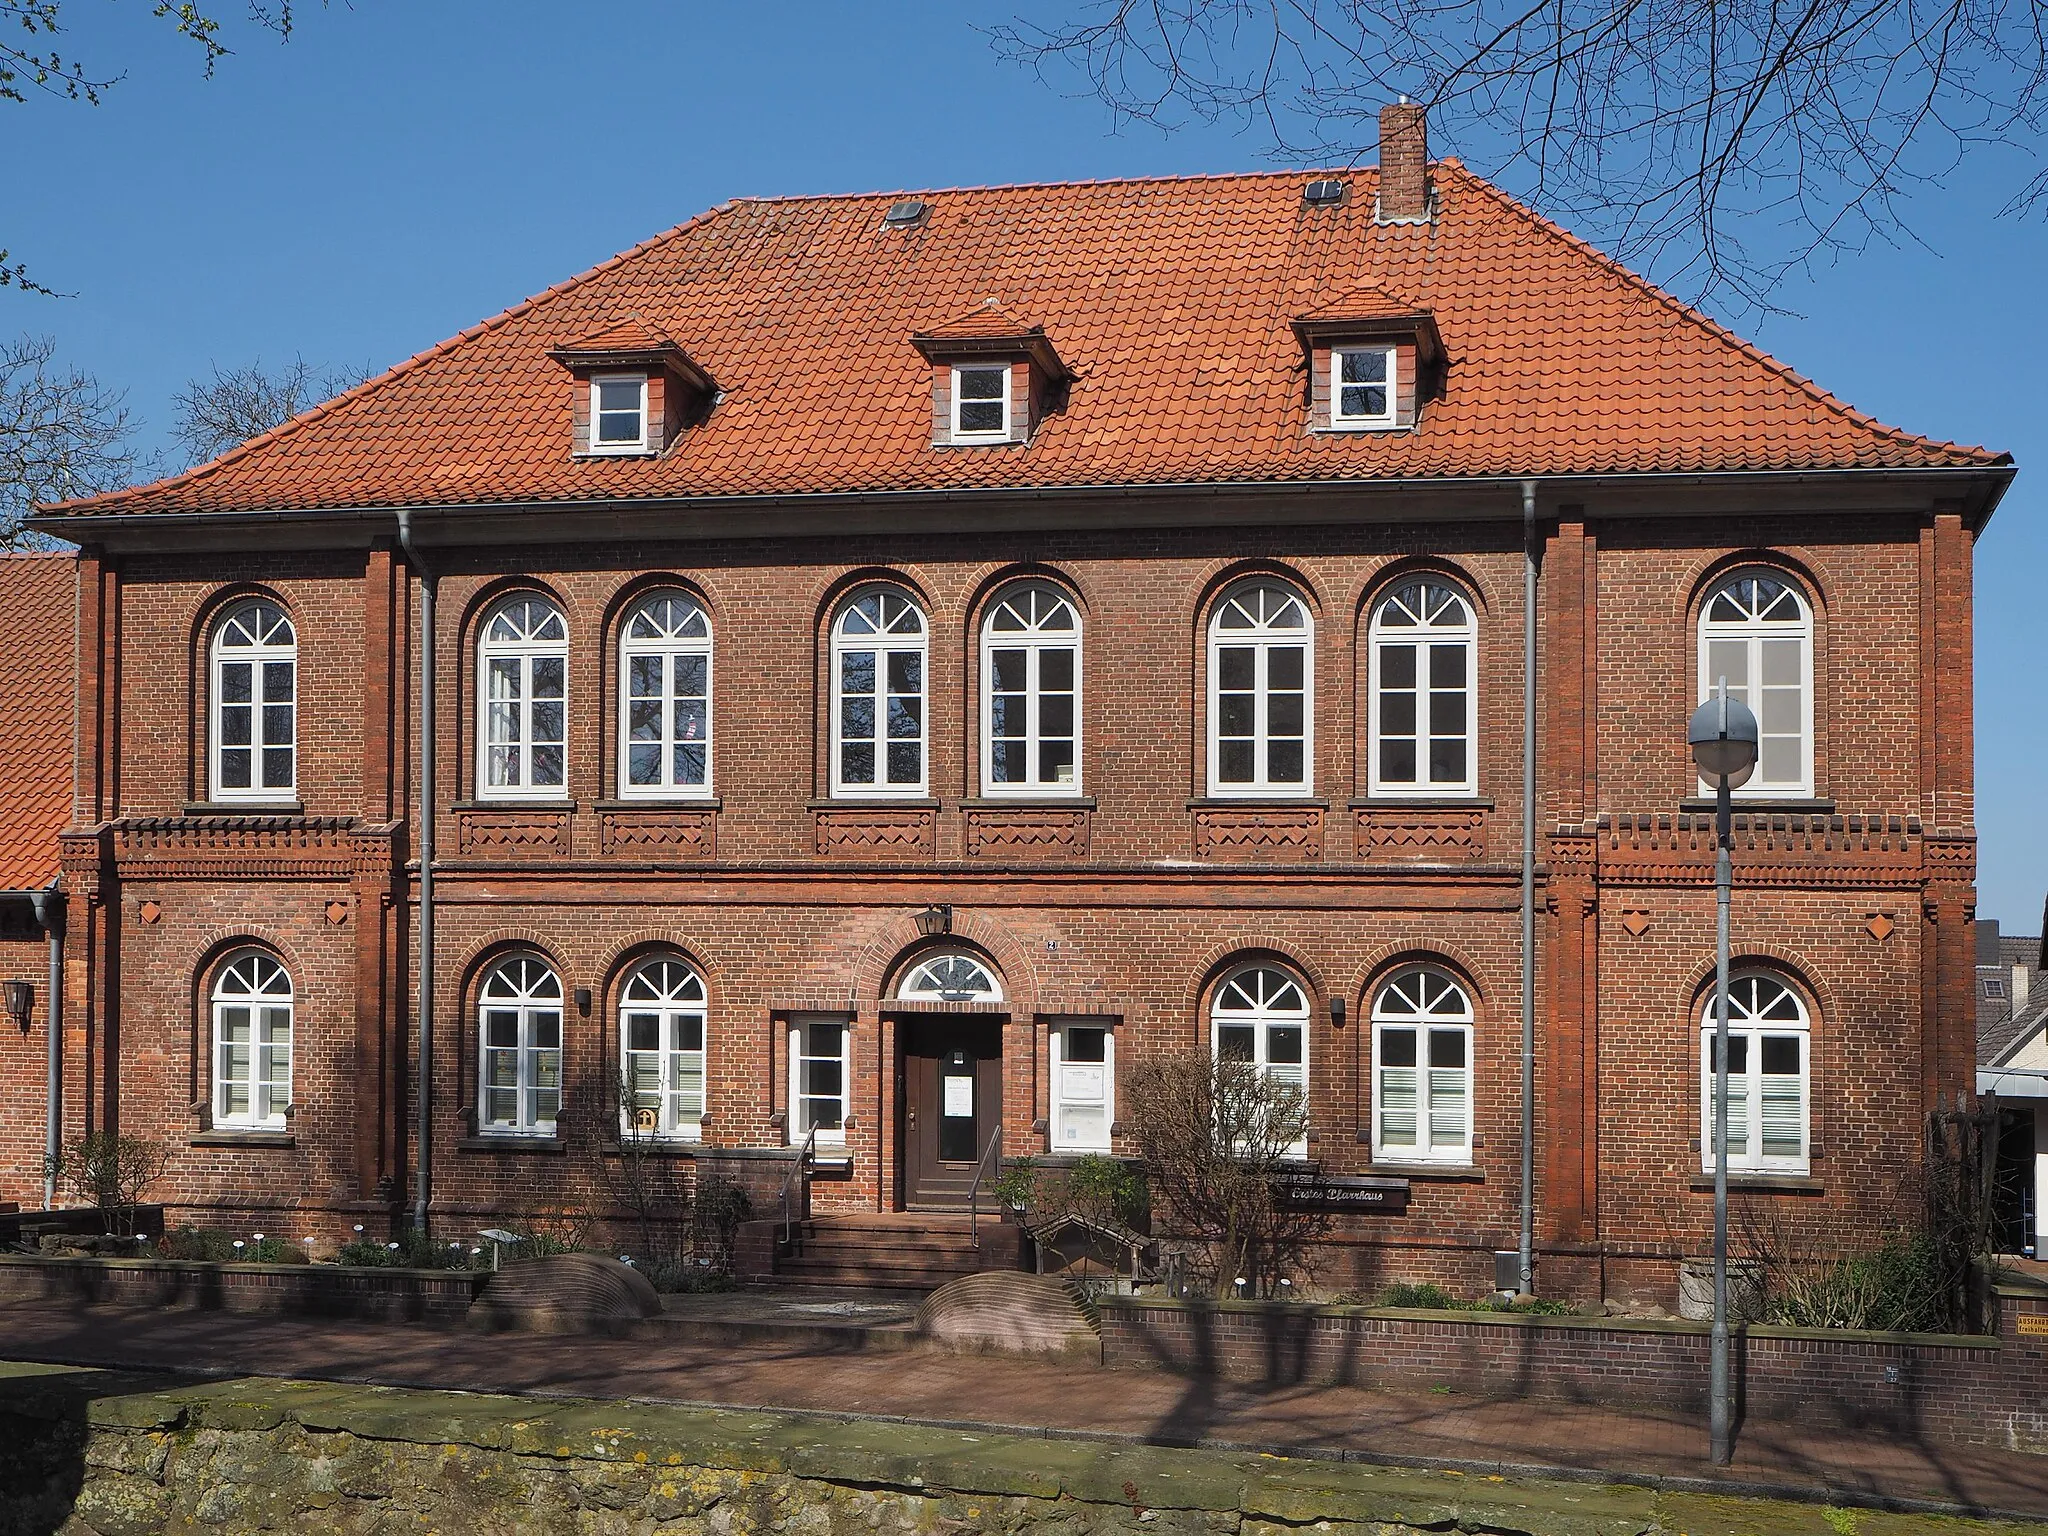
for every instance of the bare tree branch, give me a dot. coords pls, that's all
(212, 415)
(61, 434)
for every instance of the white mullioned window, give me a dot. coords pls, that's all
(820, 1077)
(1423, 640)
(1260, 1015)
(255, 704)
(523, 700)
(252, 1042)
(1769, 1073)
(1261, 712)
(618, 413)
(951, 976)
(519, 1042)
(981, 401)
(1756, 630)
(1083, 1086)
(1362, 386)
(665, 704)
(1422, 1068)
(1031, 693)
(662, 1051)
(878, 704)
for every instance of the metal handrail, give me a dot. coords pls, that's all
(995, 1140)
(805, 1156)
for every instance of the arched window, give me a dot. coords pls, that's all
(519, 1038)
(953, 976)
(1260, 737)
(1422, 640)
(878, 705)
(252, 1042)
(1422, 1068)
(1769, 1037)
(1031, 693)
(1260, 1016)
(661, 1049)
(1756, 630)
(665, 698)
(523, 662)
(255, 704)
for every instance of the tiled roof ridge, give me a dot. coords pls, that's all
(1820, 395)
(420, 358)
(1056, 184)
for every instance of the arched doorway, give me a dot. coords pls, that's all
(952, 1084)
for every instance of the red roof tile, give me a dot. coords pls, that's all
(1362, 303)
(40, 596)
(629, 335)
(1170, 299)
(988, 318)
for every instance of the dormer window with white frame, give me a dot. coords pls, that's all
(1362, 385)
(981, 402)
(618, 413)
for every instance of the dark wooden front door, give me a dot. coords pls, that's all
(952, 1104)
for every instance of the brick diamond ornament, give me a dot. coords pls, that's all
(149, 912)
(337, 912)
(1636, 923)
(1879, 927)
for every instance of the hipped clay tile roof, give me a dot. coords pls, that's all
(39, 594)
(1362, 303)
(629, 335)
(988, 318)
(1170, 299)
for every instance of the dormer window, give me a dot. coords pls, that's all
(981, 402)
(1362, 386)
(618, 413)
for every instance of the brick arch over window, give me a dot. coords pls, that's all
(204, 618)
(483, 956)
(478, 606)
(834, 590)
(995, 585)
(474, 967)
(1402, 568)
(1794, 561)
(1708, 578)
(611, 699)
(214, 947)
(622, 956)
(1386, 959)
(1233, 953)
(893, 940)
(1787, 964)
(1264, 740)
(989, 581)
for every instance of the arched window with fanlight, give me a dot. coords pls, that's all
(523, 700)
(1769, 1051)
(665, 698)
(519, 1041)
(1422, 1068)
(252, 1042)
(878, 695)
(1260, 1016)
(1031, 693)
(1422, 639)
(662, 1050)
(1261, 713)
(951, 976)
(255, 687)
(1756, 631)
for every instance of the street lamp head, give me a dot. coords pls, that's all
(1723, 738)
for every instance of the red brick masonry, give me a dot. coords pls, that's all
(296, 1290)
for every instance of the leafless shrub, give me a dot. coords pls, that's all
(112, 1171)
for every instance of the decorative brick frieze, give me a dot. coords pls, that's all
(1259, 832)
(876, 833)
(249, 847)
(1027, 832)
(1421, 834)
(1784, 848)
(511, 832)
(658, 834)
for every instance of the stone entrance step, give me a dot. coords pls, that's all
(912, 1251)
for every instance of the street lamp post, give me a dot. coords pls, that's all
(1723, 738)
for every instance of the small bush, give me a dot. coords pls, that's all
(1897, 1287)
(1433, 1297)
(214, 1246)
(414, 1249)
(681, 1277)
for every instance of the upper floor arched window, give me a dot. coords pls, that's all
(1261, 736)
(662, 1050)
(953, 976)
(1756, 630)
(523, 700)
(519, 1043)
(1422, 1068)
(878, 695)
(1260, 1016)
(255, 688)
(252, 1042)
(1422, 640)
(665, 697)
(1031, 693)
(1769, 1050)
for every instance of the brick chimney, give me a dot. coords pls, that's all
(1404, 164)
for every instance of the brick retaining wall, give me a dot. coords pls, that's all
(300, 1290)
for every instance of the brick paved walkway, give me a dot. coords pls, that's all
(1474, 1434)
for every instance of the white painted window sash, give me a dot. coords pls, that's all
(597, 383)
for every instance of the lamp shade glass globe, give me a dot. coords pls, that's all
(1723, 738)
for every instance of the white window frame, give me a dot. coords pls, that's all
(1042, 606)
(252, 983)
(1426, 1001)
(1264, 1013)
(1263, 638)
(937, 977)
(271, 642)
(1086, 1094)
(883, 644)
(963, 434)
(1747, 1020)
(1752, 633)
(1432, 594)
(670, 993)
(531, 992)
(597, 383)
(1348, 422)
(800, 1027)
(523, 651)
(672, 642)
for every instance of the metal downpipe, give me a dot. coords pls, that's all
(424, 1093)
(47, 904)
(1528, 1233)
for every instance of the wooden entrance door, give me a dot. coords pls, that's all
(952, 1103)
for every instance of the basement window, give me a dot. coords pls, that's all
(618, 414)
(981, 402)
(1362, 386)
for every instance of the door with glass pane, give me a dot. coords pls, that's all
(952, 1094)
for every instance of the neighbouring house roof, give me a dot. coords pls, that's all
(1172, 301)
(39, 594)
(2005, 1023)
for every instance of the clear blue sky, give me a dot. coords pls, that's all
(401, 170)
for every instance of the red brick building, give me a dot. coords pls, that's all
(897, 661)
